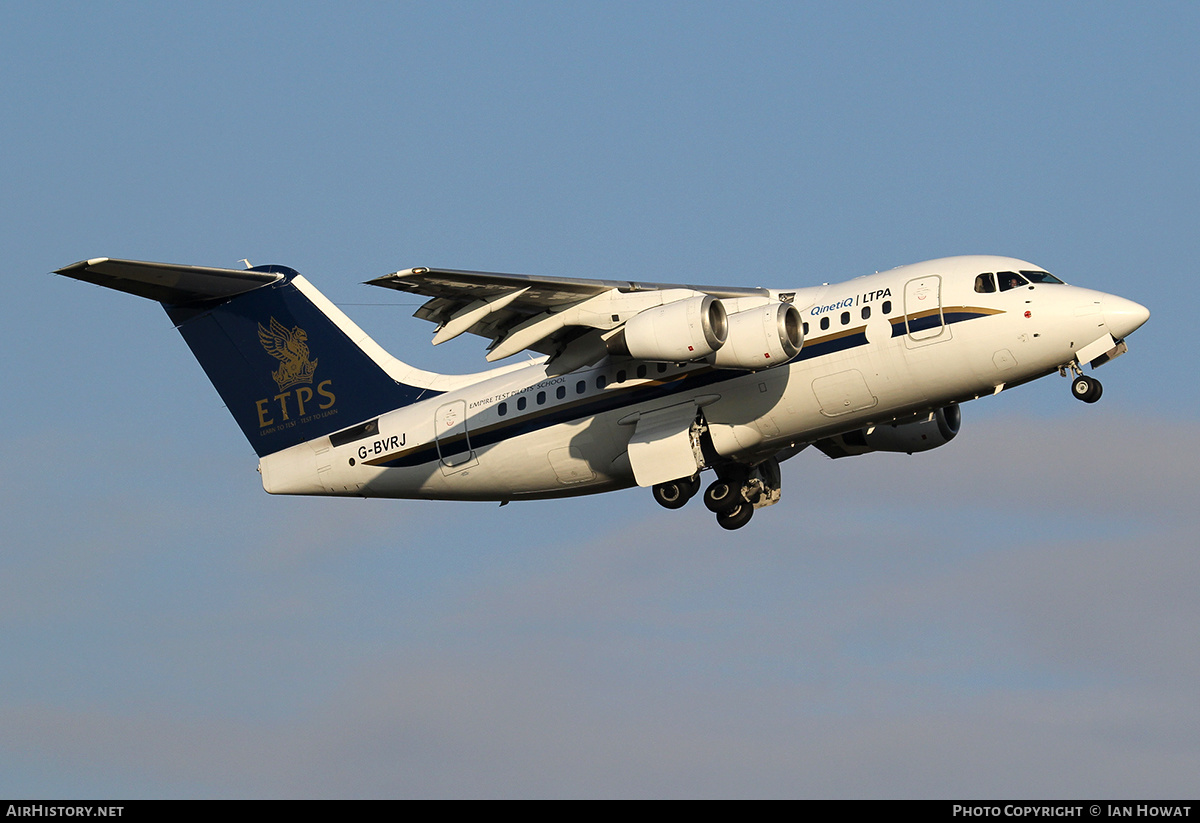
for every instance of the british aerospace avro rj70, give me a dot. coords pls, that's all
(644, 384)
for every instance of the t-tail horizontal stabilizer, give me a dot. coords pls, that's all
(167, 283)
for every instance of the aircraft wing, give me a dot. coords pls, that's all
(545, 314)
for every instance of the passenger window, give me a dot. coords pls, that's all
(806, 330)
(845, 318)
(560, 392)
(1011, 280)
(520, 404)
(887, 306)
(641, 372)
(662, 368)
(866, 313)
(541, 398)
(581, 387)
(824, 323)
(502, 409)
(985, 283)
(621, 376)
(600, 381)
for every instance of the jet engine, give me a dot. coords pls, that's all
(761, 337)
(680, 331)
(926, 432)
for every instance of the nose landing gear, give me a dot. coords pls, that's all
(1087, 389)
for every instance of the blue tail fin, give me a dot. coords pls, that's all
(288, 364)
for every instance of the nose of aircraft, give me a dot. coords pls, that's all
(1122, 316)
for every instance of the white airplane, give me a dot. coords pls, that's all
(642, 384)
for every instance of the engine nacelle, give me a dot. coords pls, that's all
(677, 332)
(927, 432)
(761, 337)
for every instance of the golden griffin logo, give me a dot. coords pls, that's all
(291, 350)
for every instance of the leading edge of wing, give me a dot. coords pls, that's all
(542, 290)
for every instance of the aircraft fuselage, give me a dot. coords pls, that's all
(892, 347)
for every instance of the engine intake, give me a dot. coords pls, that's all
(761, 337)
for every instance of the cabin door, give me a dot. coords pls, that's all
(453, 439)
(923, 318)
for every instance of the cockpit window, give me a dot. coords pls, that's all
(985, 283)
(1041, 277)
(1011, 280)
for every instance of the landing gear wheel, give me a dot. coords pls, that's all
(736, 517)
(722, 496)
(674, 494)
(1087, 389)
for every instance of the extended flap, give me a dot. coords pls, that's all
(661, 447)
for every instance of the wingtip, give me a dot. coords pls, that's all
(82, 265)
(396, 278)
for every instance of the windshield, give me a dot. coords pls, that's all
(1041, 277)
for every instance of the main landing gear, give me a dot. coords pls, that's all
(732, 497)
(733, 504)
(1087, 389)
(675, 494)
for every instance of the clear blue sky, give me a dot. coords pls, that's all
(1012, 615)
